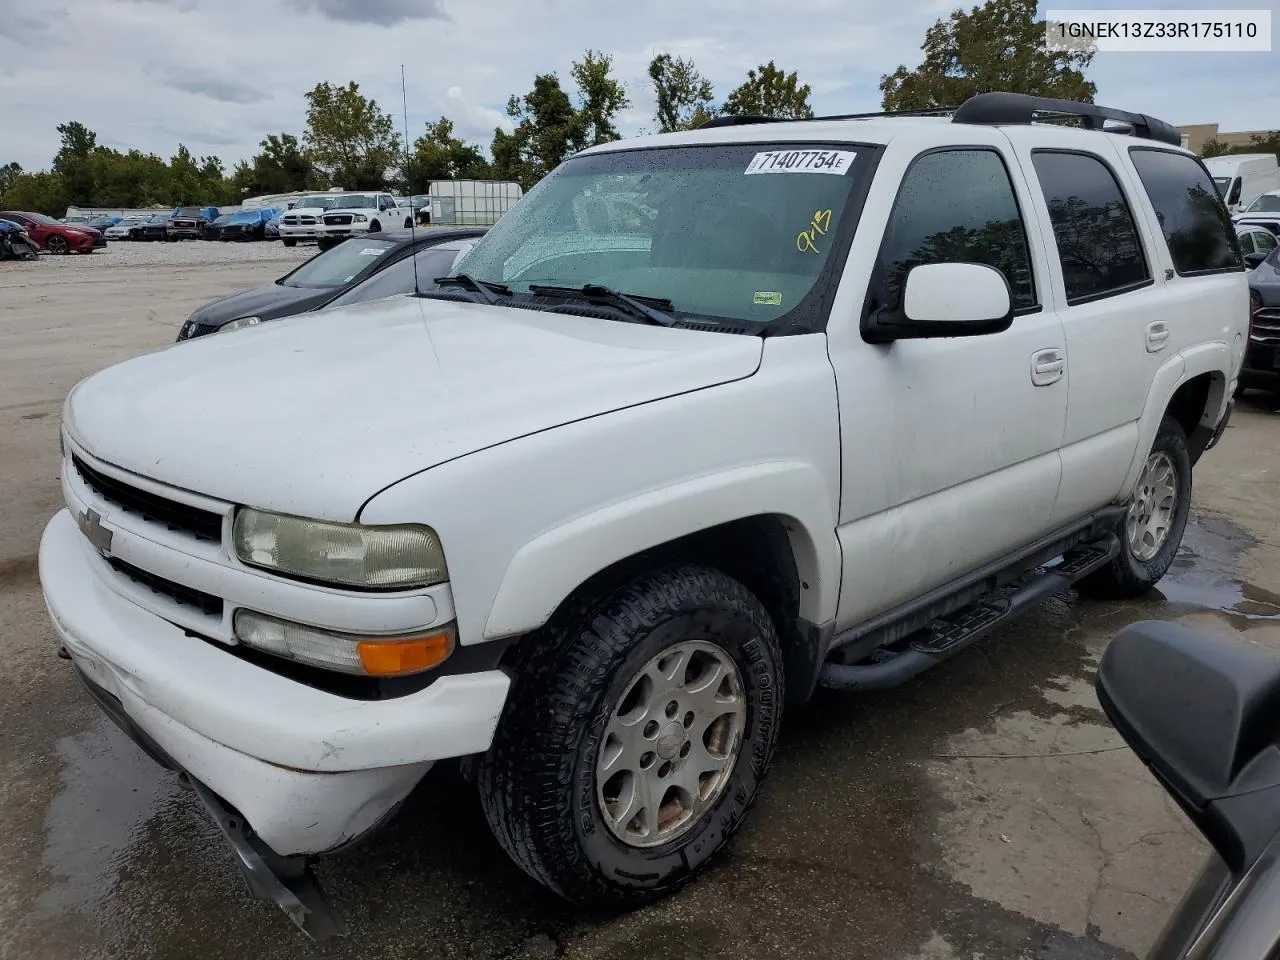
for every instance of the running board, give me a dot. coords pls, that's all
(945, 637)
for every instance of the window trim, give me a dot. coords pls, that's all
(876, 281)
(1240, 268)
(1128, 203)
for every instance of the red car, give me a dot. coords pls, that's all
(49, 234)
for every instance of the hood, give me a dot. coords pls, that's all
(306, 211)
(315, 414)
(269, 302)
(1265, 278)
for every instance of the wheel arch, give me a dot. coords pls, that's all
(1191, 387)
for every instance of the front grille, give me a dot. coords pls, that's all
(309, 221)
(339, 219)
(201, 524)
(1266, 325)
(206, 603)
(290, 220)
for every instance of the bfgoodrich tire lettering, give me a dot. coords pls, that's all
(537, 783)
(1130, 575)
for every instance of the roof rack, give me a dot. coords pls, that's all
(734, 121)
(1018, 108)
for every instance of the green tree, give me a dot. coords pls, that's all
(547, 129)
(9, 173)
(1265, 143)
(998, 46)
(36, 193)
(684, 95)
(439, 155)
(349, 138)
(601, 97)
(74, 162)
(1213, 147)
(770, 92)
(280, 166)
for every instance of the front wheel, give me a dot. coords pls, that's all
(639, 729)
(59, 245)
(325, 243)
(289, 241)
(1152, 528)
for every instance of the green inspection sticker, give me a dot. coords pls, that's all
(771, 297)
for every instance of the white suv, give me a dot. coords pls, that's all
(706, 421)
(352, 214)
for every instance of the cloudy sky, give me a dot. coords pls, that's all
(218, 75)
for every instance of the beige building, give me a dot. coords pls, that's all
(1196, 135)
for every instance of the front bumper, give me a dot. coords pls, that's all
(309, 770)
(288, 232)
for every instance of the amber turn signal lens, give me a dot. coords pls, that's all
(387, 658)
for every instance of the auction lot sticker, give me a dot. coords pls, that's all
(802, 161)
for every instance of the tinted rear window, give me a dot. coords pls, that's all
(1194, 220)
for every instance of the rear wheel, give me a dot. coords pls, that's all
(59, 245)
(639, 729)
(1152, 528)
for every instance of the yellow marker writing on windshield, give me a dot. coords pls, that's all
(807, 240)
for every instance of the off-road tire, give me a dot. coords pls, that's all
(1126, 576)
(537, 782)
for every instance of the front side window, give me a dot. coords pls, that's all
(1098, 243)
(338, 265)
(1192, 217)
(955, 206)
(743, 232)
(1234, 195)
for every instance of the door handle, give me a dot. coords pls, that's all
(1157, 335)
(1047, 366)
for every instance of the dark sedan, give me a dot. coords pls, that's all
(1262, 358)
(153, 228)
(362, 268)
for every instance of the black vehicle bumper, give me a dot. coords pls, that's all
(190, 233)
(288, 882)
(1261, 366)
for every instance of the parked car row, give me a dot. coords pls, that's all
(54, 235)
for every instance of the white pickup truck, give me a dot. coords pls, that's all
(352, 214)
(820, 404)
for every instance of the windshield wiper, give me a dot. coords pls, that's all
(486, 288)
(657, 314)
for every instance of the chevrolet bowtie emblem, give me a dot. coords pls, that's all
(91, 526)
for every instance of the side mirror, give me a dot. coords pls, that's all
(945, 300)
(1252, 260)
(1201, 711)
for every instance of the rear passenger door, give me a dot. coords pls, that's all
(1100, 275)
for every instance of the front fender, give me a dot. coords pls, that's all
(548, 568)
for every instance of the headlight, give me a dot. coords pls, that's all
(360, 218)
(345, 554)
(374, 656)
(240, 324)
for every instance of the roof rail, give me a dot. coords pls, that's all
(1017, 108)
(755, 118)
(735, 121)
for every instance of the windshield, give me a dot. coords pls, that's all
(246, 216)
(339, 265)
(47, 221)
(159, 218)
(350, 203)
(188, 213)
(324, 203)
(399, 278)
(1223, 184)
(1267, 203)
(738, 232)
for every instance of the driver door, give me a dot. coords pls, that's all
(949, 446)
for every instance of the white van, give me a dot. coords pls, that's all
(1243, 177)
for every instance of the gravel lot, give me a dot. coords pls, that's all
(986, 810)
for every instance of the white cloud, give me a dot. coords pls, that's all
(221, 74)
